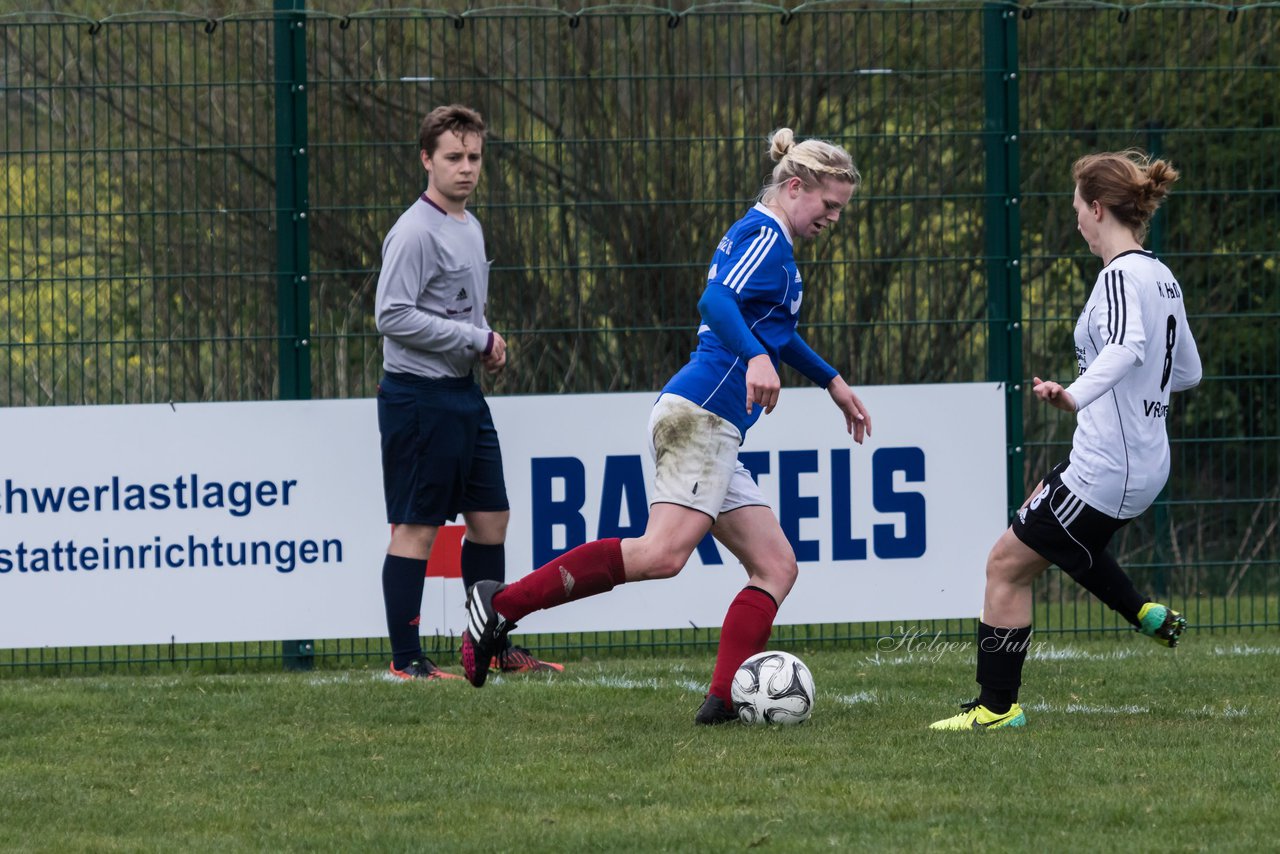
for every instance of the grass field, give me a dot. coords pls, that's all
(1129, 747)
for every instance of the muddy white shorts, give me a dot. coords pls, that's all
(695, 458)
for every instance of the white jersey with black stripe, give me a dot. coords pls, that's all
(1135, 319)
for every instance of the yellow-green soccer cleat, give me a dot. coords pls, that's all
(976, 717)
(1163, 625)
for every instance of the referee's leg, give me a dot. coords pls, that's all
(484, 555)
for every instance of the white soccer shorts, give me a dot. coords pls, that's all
(695, 458)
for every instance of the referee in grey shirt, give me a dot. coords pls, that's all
(440, 452)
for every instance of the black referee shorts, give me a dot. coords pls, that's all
(440, 452)
(1061, 528)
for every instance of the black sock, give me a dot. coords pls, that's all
(1001, 652)
(482, 563)
(1106, 580)
(403, 579)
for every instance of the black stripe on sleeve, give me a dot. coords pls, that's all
(1124, 304)
(1111, 308)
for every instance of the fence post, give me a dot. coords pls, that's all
(292, 232)
(1003, 246)
(1163, 534)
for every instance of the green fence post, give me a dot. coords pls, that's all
(1163, 534)
(1004, 280)
(292, 231)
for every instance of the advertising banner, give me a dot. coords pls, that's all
(265, 521)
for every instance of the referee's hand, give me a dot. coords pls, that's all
(496, 359)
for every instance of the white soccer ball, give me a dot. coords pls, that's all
(773, 688)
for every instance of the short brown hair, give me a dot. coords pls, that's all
(1128, 183)
(455, 117)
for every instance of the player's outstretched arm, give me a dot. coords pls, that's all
(856, 417)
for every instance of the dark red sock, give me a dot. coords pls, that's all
(585, 571)
(746, 630)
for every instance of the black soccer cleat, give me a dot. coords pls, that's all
(486, 632)
(715, 711)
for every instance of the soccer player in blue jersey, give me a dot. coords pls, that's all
(1134, 348)
(750, 310)
(440, 452)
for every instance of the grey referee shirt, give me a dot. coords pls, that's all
(432, 293)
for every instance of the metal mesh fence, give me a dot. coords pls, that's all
(158, 244)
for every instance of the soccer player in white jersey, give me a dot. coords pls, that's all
(750, 309)
(1134, 347)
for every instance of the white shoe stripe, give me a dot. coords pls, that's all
(477, 620)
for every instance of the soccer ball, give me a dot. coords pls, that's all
(773, 688)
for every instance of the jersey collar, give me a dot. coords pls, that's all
(786, 232)
(1143, 252)
(428, 200)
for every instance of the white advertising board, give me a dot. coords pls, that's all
(265, 521)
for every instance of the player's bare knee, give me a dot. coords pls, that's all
(1002, 572)
(784, 575)
(666, 565)
(653, 557)
(995, 572)
(778, 578)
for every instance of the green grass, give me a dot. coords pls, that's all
(1129, 746)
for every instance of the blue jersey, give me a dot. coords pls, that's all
(755, 265)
